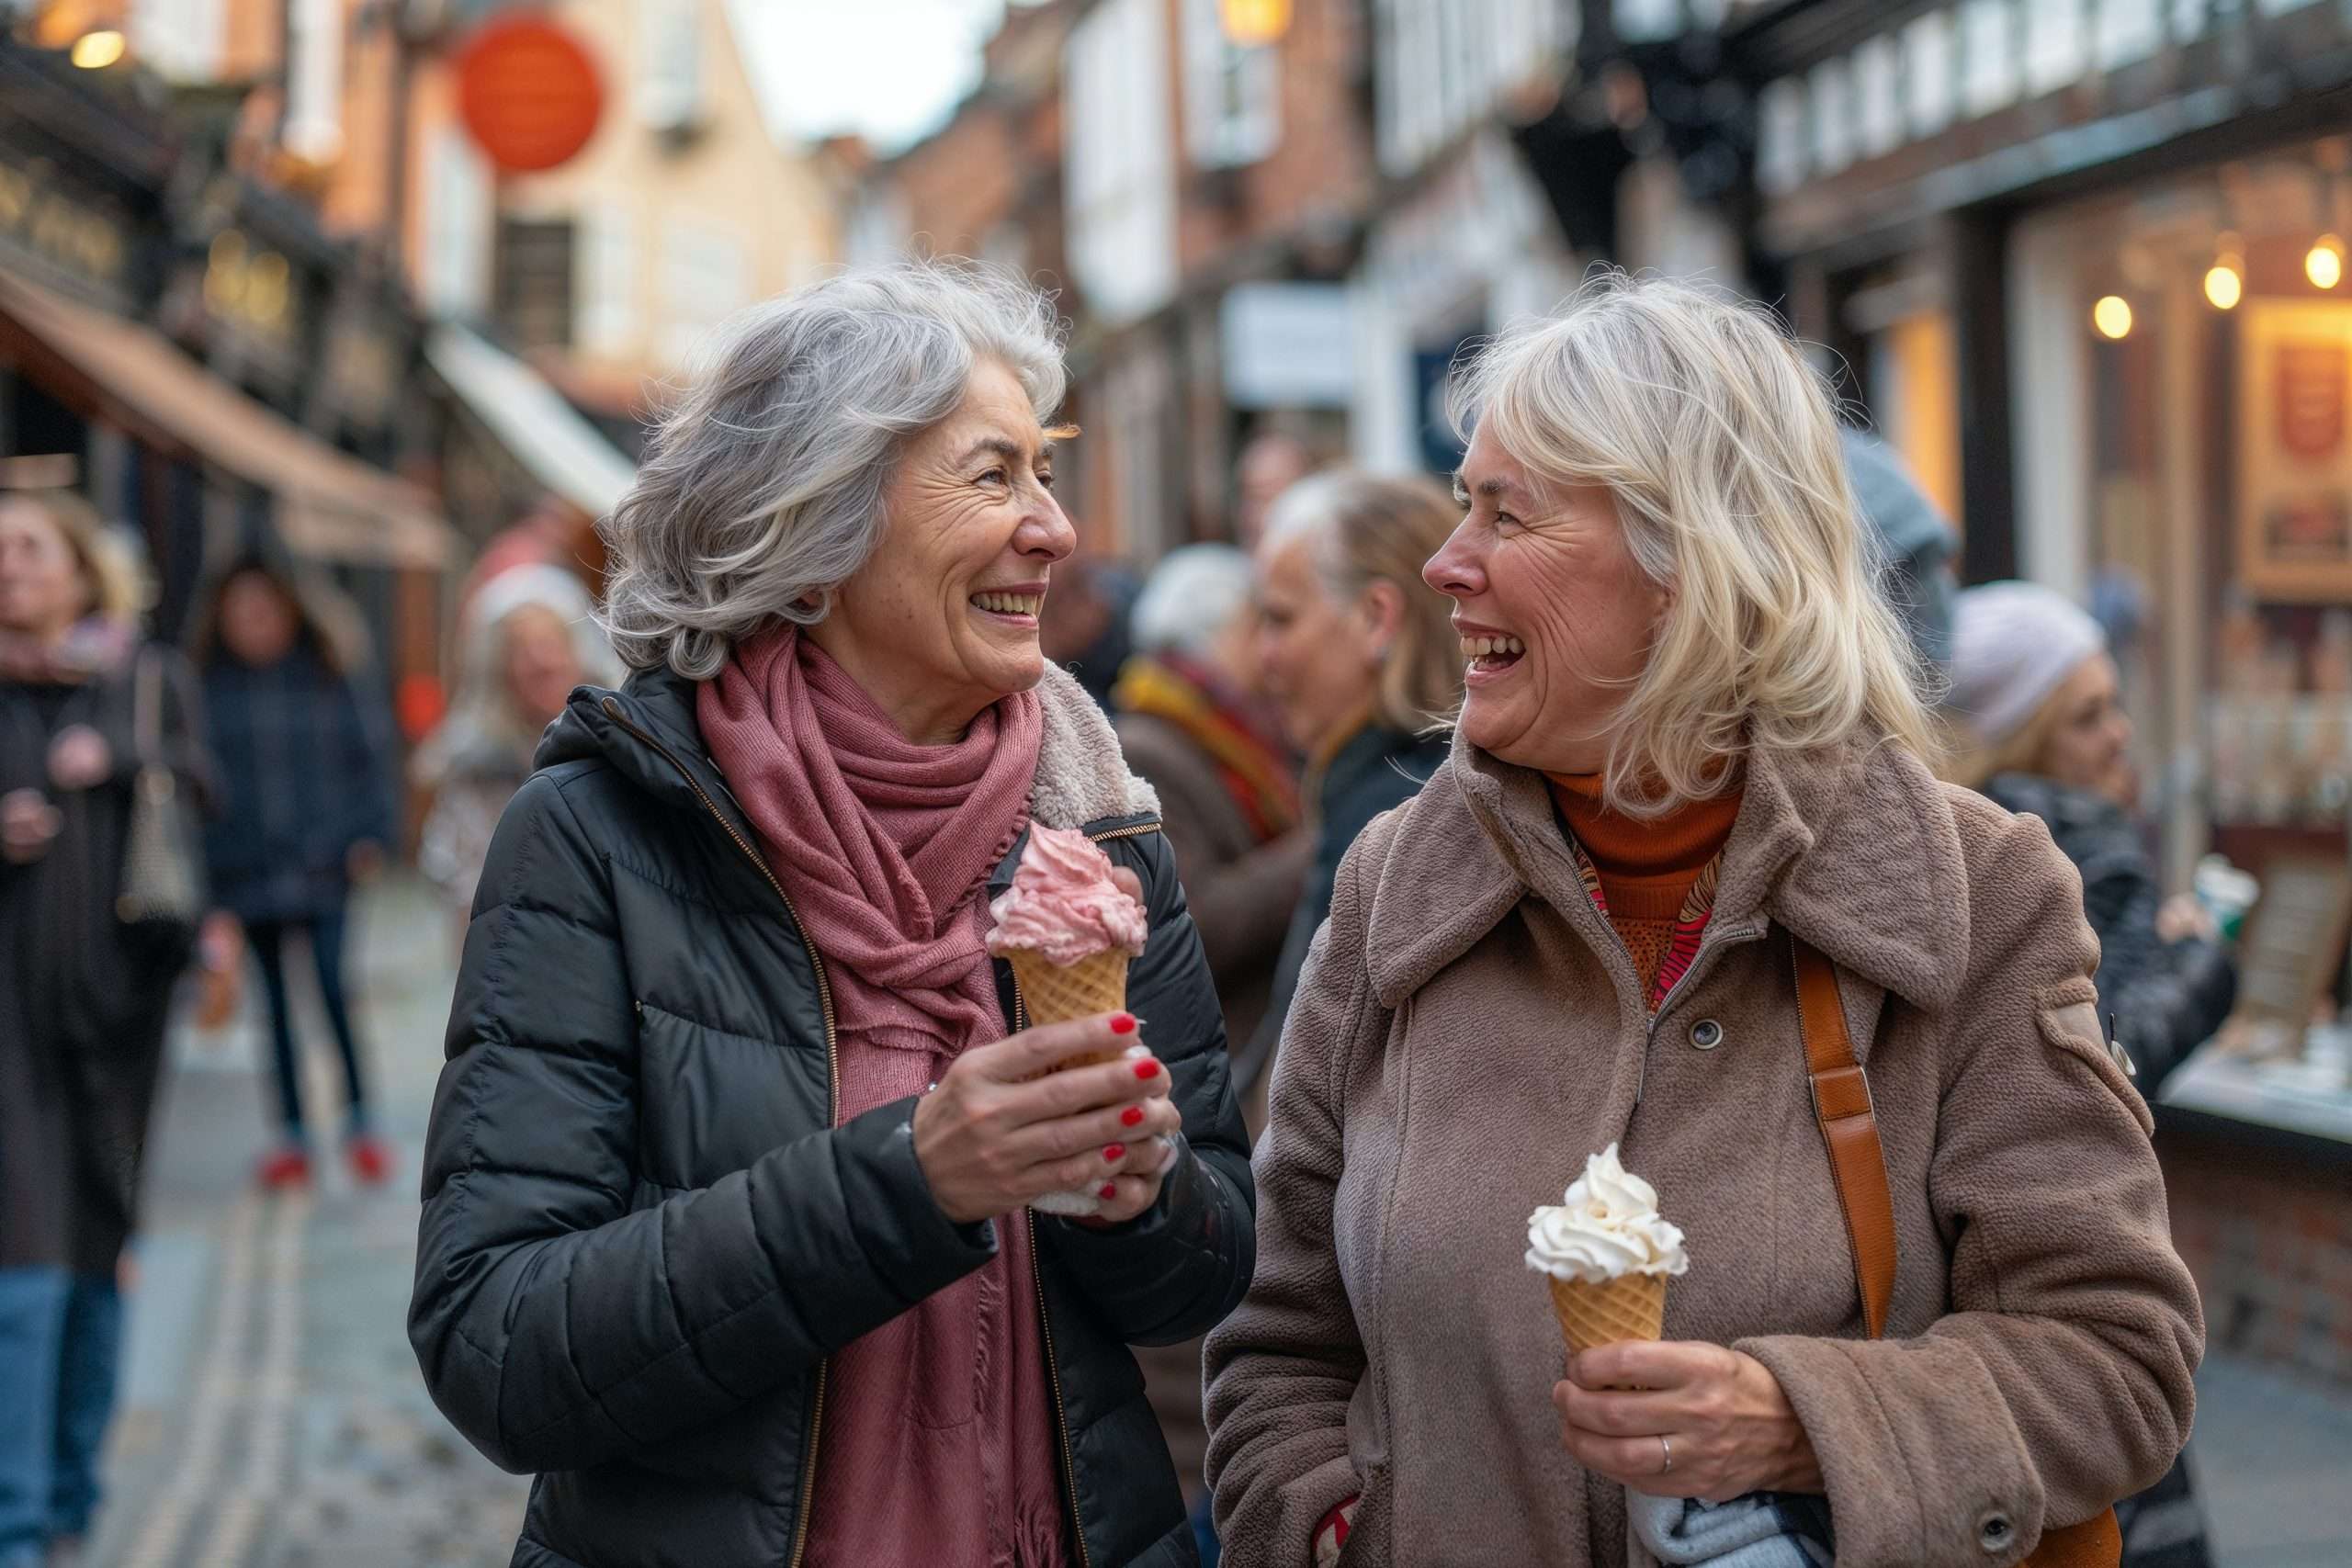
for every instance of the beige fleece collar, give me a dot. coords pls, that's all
(1857, 854)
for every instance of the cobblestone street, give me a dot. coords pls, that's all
(273, 1418)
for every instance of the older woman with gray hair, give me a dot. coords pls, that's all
(727, 1230)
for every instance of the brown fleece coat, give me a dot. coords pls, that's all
(1469, 1029)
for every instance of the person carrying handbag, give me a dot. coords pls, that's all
(100, 895)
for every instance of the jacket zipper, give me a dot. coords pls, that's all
(833, 1075)
(1037, 1274)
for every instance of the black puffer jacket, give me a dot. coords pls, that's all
(2167, 996)
(642, 1233)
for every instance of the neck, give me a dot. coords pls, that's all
(920, 713)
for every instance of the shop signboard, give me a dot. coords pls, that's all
(1287, 345)
(2295, 449)
(528, 91)
(69, 238)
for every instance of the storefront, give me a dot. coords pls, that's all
(2085, 262)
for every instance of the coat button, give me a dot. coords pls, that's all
(1995, 1534)
(1706, 1034)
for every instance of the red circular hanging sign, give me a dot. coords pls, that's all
(528, 91)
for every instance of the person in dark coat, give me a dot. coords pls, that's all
(2034, 696)
(1361, 659)
(83, 997)
(303, 743)
(729, 1229)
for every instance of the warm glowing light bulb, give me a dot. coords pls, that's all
(96, 51)
(2112, 316)
(1253, 22)
(2323, 263)
(2223, 286)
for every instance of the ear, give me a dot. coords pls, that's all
(1379, 611)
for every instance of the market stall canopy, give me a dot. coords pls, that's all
(551, 438)
(332, 505)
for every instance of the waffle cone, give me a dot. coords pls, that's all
(1055, 993)
(1631, 1306)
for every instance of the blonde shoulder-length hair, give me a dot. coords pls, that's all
(1719, 445)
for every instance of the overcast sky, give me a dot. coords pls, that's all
(888, 68)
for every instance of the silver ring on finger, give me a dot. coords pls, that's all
(1666, 1448)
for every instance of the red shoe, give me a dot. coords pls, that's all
(370, 1158)
(287, 1166)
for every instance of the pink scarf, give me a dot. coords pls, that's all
(938, 1442)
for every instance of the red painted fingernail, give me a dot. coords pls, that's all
(1110, 1190)
(1132, 1116)
(1116, 1153)
(1122, 1023)
(1146, 1069)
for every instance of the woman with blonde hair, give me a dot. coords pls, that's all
(84, 989)
(1687, 887)
(1359, 661)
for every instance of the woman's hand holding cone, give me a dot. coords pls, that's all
(1730, 1426)
(995, 1136)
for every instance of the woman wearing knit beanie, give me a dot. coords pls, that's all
(2035, 700)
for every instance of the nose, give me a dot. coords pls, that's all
(1456, 570)
(1046, 533)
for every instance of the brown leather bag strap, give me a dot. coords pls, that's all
(1842, 1104)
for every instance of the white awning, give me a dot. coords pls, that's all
(555, 441)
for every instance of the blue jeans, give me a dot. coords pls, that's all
(61, 1336)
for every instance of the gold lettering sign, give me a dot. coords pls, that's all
(71, 235)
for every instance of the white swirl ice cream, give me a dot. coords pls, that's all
(1607, 1227)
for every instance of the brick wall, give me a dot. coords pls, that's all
(2269, 1235)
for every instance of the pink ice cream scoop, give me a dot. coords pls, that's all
(1063, 904)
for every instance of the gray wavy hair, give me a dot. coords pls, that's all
(761, 491)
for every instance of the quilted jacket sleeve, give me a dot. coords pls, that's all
(1284, 1369)
(1177, 1268)
(556, 1328)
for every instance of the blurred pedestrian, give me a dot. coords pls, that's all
(1085, 622)
(88, 954)
(1686, 841)
(1228, 803)
(1229, 789)
(727, 1227)
(1361, 662)
(2036, 699)
(1271, 462)
(1915, 542)
(529, 636)
(303, 743)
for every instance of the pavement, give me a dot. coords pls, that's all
(272, 1416)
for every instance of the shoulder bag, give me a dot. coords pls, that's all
(161, 890)
(1842, 1104)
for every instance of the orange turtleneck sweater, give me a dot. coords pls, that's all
(1646, 868)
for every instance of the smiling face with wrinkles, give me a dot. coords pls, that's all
(1556, 616)
(942, 620)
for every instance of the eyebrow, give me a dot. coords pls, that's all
(1005, 448)
(1492, 490)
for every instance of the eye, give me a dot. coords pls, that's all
(995, 476)
(1046, 478)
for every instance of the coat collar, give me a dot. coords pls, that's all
(1856, 852)
(648, 731)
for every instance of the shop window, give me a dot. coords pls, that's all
(453, 261)
(314, 80)
(669, 94)
(1232, 93)
(181, 38)
(532, 295)
(2185, 431)
(706, 277)
(607, 282)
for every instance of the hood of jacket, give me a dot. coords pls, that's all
(1857, 852)
(648, 732)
